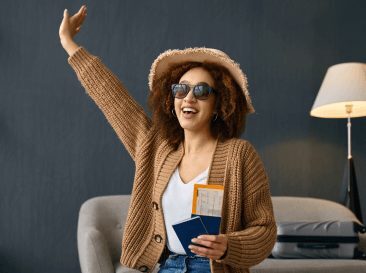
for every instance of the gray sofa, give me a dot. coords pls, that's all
(101, 221)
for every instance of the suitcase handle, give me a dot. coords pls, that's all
(317, 245)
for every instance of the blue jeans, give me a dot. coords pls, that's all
(178, 263)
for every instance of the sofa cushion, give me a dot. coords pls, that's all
(312, 265)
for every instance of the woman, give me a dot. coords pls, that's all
(199, 100)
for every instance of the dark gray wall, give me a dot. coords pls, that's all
(57, 149)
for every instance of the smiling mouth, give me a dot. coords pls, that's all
(188, 114)
(189, 110)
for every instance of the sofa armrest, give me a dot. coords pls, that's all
(94, 255)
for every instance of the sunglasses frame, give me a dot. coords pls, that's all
(193, 87)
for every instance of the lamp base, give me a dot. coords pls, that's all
(349, 193)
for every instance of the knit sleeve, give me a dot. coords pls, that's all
(124, 114)
(254, 243)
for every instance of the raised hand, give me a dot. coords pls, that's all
(69, 27)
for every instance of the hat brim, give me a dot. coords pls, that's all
(200, 54)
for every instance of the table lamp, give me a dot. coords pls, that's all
(343, 95)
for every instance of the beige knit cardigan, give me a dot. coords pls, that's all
(247, 213)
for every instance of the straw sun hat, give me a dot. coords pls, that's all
(200, 54)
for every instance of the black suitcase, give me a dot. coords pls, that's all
(322, 240)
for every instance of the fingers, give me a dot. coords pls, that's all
(214, 254)
(82, 12)
(79, 17)
(212, 246)
(213, 238)
(81, 8)
(82, 16)
(84, 9)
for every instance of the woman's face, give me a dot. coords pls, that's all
(203, 110)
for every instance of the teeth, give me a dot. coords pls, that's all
(188, 109)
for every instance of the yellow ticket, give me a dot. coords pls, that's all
(207, 199)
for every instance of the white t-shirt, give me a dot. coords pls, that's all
(177, 205)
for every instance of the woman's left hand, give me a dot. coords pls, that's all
(215, 246)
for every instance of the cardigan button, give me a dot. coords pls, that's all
(143, 268)
(158, 238)
(155, 205)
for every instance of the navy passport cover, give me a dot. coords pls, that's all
(211, 223)
(189, 229)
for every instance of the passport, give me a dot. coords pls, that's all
(188, 229)
(211, 223)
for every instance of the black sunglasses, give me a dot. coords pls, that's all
(200, 91)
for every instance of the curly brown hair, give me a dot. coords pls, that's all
(231, 104)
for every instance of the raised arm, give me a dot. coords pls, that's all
(125, 115)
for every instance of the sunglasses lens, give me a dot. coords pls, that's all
(201, 91)
(179, 90)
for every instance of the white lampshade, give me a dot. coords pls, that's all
(343, 84)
